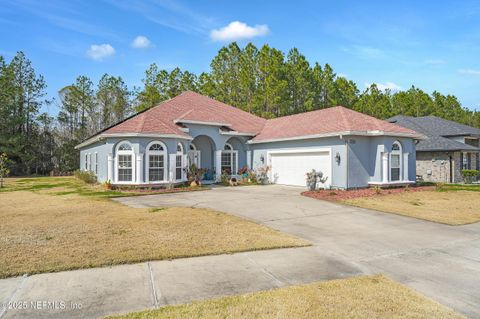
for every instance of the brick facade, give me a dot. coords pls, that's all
(435, 166)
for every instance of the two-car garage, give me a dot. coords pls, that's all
(290, 167)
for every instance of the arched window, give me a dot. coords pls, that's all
(125, 146)
(178, 162)
(193, 147)
(156, 162)
(396, 162)
(125, 162)
(229, 159)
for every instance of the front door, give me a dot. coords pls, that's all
(194, 158)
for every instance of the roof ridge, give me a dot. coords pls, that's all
(343, 115)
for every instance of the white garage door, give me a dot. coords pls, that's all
(290, 168)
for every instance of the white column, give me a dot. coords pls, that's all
(184, 166)
(249, 159)
(385, 167)
(140, 168)
(405, 166)
(110, 167)
(172, 161)
(218, 165)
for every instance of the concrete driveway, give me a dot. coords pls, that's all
(442, 262)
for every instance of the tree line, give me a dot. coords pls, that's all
(264, 81)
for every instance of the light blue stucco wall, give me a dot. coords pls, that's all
(219, 140)
(139, 144)
(365, 158)
(204, 132)
(101, 149)
(362, 155)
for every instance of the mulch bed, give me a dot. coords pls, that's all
(340, 195)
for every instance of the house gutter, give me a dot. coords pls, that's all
(351, 133)
(103, 136)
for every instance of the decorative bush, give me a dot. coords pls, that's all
(470, 175)
(314, 177)
(195, 174)
(262, 175)
(243, 170)
(225, 177)
(86, 176)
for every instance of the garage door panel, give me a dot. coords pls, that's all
(290, 168)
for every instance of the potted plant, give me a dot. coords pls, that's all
(108, 185)
(195, 175)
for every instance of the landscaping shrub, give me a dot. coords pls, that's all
(87, 177)
(470, 175)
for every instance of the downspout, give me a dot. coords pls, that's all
(451, 169)
(346, 160)
(346, 163)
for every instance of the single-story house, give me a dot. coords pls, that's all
(448, 149)
(157, 145)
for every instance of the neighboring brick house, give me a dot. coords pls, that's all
(449, 148)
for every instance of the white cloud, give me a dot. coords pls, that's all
(99, 52)
(385, 86)
(237, 30)
(469, 71)
(141, 42)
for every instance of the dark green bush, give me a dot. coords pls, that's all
(469, 175)
(86, 176)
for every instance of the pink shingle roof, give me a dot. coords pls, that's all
(189, 106)
(193, 107)
(326, 121)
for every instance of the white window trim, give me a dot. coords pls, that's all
(96, 163)
(131, 152)
(233, 159)
(400, 155)
(148, 152)
(180, 153)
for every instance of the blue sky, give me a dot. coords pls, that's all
(434, 45)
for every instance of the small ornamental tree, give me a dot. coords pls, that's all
(4, 171)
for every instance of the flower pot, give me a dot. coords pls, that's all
(194, 184)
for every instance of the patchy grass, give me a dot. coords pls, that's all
(67, 185)
(42, 231)
(460, 187)
(457, 207)
(357, 297)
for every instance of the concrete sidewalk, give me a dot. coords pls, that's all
(98, 292)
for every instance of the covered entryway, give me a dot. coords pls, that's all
(290, 167)
(202, 153)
